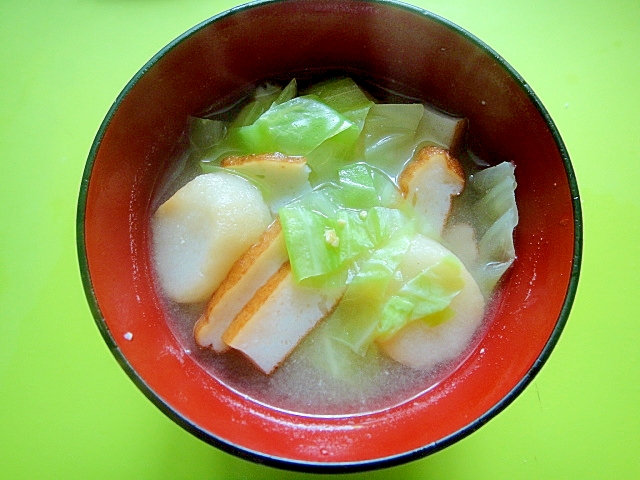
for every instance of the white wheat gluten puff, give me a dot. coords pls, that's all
(202, 230)
(423, 346)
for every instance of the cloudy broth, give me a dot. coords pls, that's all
(300, 384)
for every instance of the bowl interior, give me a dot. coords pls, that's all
(410, 51)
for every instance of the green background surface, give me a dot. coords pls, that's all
(67, 410)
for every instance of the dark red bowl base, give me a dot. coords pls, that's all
(409, 51)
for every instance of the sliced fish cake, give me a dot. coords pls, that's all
(429, 181)
(252, 270)
(277, 318)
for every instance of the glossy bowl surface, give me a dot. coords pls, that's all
(411, 51)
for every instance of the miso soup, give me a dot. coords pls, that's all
(330, 247)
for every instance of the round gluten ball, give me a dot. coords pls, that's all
(202, 230)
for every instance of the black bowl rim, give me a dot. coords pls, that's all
(332, 467)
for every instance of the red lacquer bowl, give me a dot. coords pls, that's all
(412, 51)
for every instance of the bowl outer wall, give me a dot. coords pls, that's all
(413, 51)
